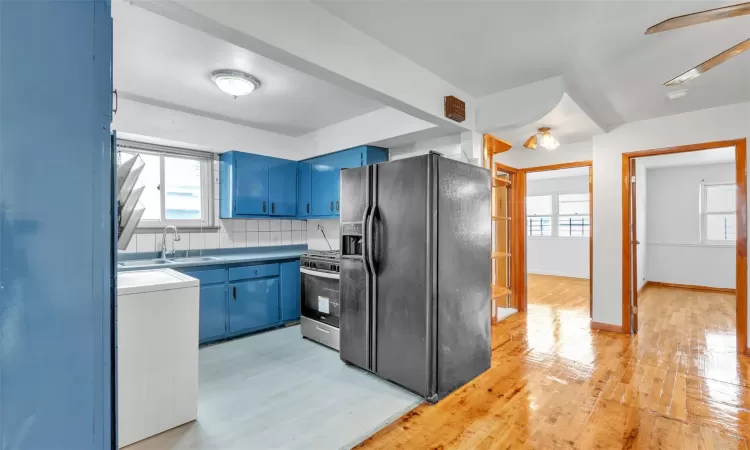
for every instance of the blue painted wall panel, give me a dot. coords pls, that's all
(55, 201)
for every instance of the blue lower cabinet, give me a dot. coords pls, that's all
(242, 298)
(290, 291)
(253, 304)
(213, 312)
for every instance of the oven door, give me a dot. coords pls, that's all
(320, 296)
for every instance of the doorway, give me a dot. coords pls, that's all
(718, 199)
(557, 224)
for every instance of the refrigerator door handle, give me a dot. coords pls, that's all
(372, 244)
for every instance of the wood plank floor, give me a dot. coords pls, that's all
(555, 383)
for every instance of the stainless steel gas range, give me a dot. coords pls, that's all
(320, 297)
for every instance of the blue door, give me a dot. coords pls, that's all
(253, 304)
(324, 183)
(305, 188)
(213, 312)
(283, 189)
(251, 185)
(290, 290)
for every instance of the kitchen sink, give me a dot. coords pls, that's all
(144, 262)
(196, 259)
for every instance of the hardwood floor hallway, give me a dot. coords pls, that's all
(555, 383)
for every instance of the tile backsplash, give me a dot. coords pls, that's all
(234, 233)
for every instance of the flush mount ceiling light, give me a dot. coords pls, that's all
(542, 138)
(234, 82)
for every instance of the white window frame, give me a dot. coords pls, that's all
(555, 217)
(551, 217)
(558, 215)
(207, 185)
(704, 215)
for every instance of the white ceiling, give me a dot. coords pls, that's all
(559, 173)
(168, 64)
(600, 48)
(568, 123)
(698, 158)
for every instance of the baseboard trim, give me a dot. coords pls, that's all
(606, 327)
(550, 274)
(692, 287)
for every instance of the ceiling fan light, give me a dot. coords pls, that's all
(234, 82)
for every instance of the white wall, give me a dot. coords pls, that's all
(520, 157)
(560, 256)
(641, 215)
(714, 124)
(448, 146)
(383, 124)
(675, 252)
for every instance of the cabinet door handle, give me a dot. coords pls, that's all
(337, 205)
(331, 206)
(273, 207)
(264, 206)
(308, 208)
(234, 292)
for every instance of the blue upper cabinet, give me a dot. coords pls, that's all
(283, 188)
(261, 186)
(251, 185)
(257, 186)
(304, 199)
(324, 184)
(323, 188)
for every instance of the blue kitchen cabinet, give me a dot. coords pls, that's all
(283, 188)
(323, 188)
(325, 177)
(304, 189)
(251, 185)
(213, 312)
(256, 186)
(236, 299)
(290, 291)
(253, 304)
(213, 302)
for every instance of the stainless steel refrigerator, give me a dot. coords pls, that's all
(415, 272)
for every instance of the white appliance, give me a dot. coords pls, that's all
(157, 352)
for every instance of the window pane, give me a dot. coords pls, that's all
(573, 204)
(573, 226)
(149, 178)
(721, 227)
(539, 226)
(182, 198)
(540, 205)
(721, 198)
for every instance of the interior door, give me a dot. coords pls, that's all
(398, 236)
(633, 250)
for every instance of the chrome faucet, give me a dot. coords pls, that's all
(175, 237)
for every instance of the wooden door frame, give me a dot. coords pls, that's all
(518, 254)
(517, 269)
(740, 146)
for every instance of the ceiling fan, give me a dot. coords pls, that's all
(710, 15)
